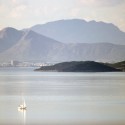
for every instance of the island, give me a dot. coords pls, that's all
(79, 66)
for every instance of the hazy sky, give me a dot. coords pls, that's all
(26, 13)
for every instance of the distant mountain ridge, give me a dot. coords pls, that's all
(81, 31)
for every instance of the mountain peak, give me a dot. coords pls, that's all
(81, 31)
(9, 31)
(9, 37)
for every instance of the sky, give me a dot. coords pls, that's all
(26, 13)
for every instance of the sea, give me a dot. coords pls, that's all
(61, 98)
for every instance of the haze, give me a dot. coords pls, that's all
(26, 13)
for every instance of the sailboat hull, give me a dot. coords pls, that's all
(22, 108)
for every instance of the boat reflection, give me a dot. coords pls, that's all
(23, 115)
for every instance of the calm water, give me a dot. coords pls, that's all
(61, 98)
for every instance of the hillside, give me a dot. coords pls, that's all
(86, 66)
(118, 65)
(102, 52)
(81, 31)
(31, 46)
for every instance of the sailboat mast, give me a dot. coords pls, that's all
(24, 103)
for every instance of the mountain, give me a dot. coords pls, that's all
(87, 66)
(81, 31)
(31, 46)
(8, 37)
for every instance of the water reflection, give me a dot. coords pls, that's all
(22, 113)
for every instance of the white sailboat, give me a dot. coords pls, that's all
(22, 106)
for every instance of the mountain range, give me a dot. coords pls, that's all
(64, 40)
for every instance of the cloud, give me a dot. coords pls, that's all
(2, 8)
(101, 2)
(14, 1)
(18, 11)
(18, 2)
(74, 12)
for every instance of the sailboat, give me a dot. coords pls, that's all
(22, 106)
